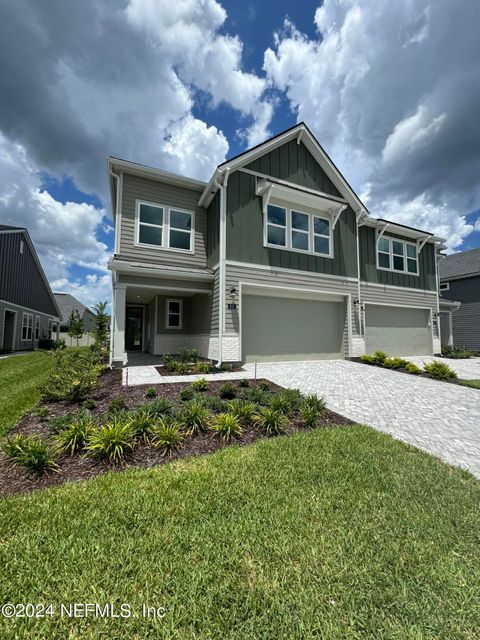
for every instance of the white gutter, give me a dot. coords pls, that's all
(359, 304)
(221, 261)
(117, 212)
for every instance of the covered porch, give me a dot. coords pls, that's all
(160, 313)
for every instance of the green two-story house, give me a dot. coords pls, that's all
(274, 259)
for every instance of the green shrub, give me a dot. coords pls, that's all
(118, 404)
(380, 357)
(244, 382)
(202, 367)
(368, 359)
(280, 402)
(194, 417)
(411, 367)
(74, 376)
(169, 363)
(167, 436)
(150, 393)
(450, 351)
(89, 404)
(439, 370)
(264, 386)
(141, 422)
(57, 423)
(189, 355)
(182, 368)
(395, 363)
(213, 403)
(200, 385)
(312, 400)
(256, 395)
(227, 391)
(186, 394)
(227, 426)
(113, 440)
(244, 411)
(31, 452)
(74, 436)
(310, 415)
(159, 407)
(271, 422)
(293, 396)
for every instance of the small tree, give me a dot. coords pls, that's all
(100, 332)
(75, 326)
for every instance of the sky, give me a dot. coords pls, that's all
(390, 89)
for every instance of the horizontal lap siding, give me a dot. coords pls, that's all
(19, 344)
(138, 188)
(466, 326)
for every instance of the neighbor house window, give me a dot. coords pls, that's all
(37, 327)
(27, 326)
(444, 286)
(174, 311)
(297, 231)
(50, 324)
(397, 255)
(166, 228)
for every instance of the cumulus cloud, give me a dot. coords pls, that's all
(64, 235)
(93, 289)
(392, 90)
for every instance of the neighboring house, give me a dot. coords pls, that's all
(27, 306)
(275, 258)
(67, 303)
(460, 281)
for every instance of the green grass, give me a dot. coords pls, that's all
(19, 379)
(335, 533)
(474, 384)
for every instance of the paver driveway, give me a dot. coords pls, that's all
(441, 418)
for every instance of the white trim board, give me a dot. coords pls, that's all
(19, 306)
(364, 283)
(265, 267)
(165, 227)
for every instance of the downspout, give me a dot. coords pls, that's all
(112, 323)
(221, 186)
(117, 201)
(359, 305)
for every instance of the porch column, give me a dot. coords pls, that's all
(450, 329)
(119, 303)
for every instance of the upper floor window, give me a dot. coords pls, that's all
(27, 326)
(297, 231)
(397, 255)
(163, 227)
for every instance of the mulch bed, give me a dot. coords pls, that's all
(14, 479)
(167, 372)
(416, 375)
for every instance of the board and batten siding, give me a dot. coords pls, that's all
(244, 242)
(466, 321)
(213, 231)
(21, 282)
(235, 274)
(294, 162)
(368, 264)
(140, 188)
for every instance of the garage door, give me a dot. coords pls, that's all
(398, 331)
(279, 329)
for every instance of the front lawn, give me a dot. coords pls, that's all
(474, 384)
(19, 380)
(332, 533)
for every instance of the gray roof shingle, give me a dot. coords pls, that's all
(67, 303)
(459, 264)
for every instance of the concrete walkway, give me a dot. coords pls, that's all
(442, 418)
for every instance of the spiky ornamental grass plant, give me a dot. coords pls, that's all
(271, 422)
(141, 422)
(157, 408)
(200, 385)
(113, 440)
(243, 410)
(167, 435)
(316, 403)
(227, 426)
(73, 437)
(194, 417)
(33, 453)
(310, 415)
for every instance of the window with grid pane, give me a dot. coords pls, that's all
(150, 224)
(300, 227)
(174, 314)
(180, 230)
(276, 225)
(27, 326)
(321, 235)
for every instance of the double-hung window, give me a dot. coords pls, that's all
(163, 227)
(297, 231)
(27, 326)
(174, 313)
(37, 327)
(397, 255)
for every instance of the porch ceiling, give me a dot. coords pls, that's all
(139, 295)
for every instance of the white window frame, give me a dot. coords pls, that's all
(50, 328)
(288, 231)
(37, 328)
(28, 326)
(444, 286)
(390, 253)
(167, 313)
(165, 246)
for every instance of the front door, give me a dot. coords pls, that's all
(134, 329)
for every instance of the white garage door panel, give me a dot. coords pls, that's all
(280, 329)
(399, 331)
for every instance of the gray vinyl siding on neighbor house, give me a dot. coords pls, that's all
(140, 188)
(294, 162)
(466, 321)
(18, 343)
(244, 242)
(21, 282)
(368, 264)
